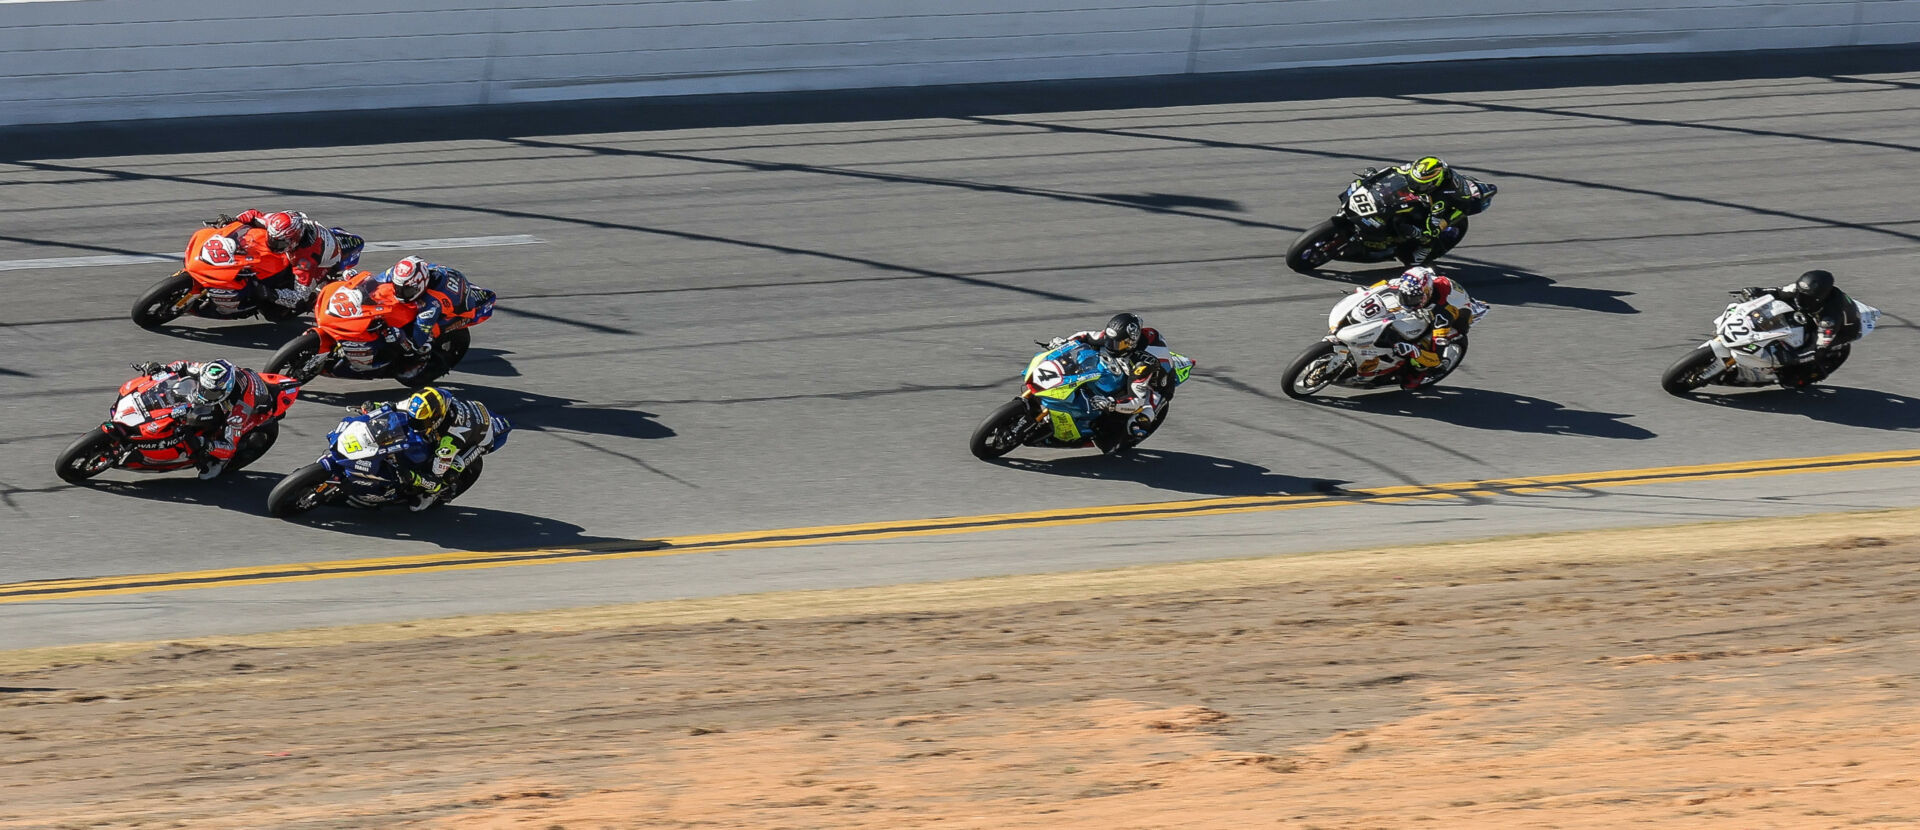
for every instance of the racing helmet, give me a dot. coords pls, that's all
(1122, 335)
(1415, 286)
(215, 384)
(285, 230)
(1426, 173)
(409, 278)
(1814, 286)
(427, 409)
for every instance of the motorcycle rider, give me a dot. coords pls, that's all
(1145, 358)
(1442, 197)
(317, 253)
(455, 432)
(412, 314)
(227, 401)
(1420, 288)
(1830, 315)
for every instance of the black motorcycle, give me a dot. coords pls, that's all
(1363, 230)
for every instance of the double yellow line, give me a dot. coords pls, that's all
(53, 589)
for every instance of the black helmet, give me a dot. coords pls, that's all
(1122, 334)
(1814, 286)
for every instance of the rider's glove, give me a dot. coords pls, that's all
(1057, 342)
(249, 216)
(177, 366)
(1825, 338)
(1405, 350)
(1102, 402)
(147, 368)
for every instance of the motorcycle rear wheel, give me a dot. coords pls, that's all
(1314, 248)
(85, 458)
(1321, 352)
(1685, 374)
(446, 354)
(299, 492)
(254, 445)
(998, 434)
(299, 358)
(161, 304)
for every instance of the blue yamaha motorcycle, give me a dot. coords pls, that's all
(1056, 407)
(366, 463)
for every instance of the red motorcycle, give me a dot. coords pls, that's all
(155, 426)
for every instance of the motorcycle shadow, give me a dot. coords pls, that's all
(255, 335)
(1487, 409)
(1180, 471)
(527, 410)
(489, 362)
(1501, 285)
(1843, 405)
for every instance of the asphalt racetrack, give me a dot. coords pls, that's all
(756, 326)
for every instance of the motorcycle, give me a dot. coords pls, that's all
(154, 427)
(350, 338)
(1056, 407)
(1362, 230)
(1358, 351)
(219, 274)
(1759, 341)
(364, 466)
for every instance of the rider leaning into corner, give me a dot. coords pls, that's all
(453, 432)
(1442, 197)
(1145, 358)
(227, 401)
(1831, 318)
(317, 253)
(1422, 289)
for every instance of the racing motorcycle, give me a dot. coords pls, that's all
(217, 282)
(155, 427)
(350, 338)
(1759, 341)
(1056, 406)
(1362, 230)
(365, 466)
(1358, 351)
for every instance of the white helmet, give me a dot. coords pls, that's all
(409, 278)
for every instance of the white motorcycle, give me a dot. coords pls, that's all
(1358, 351)
(1759, 342)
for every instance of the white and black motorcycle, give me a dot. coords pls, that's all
(1759, 341)
(1358, 351)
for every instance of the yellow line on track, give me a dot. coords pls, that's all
(52, 589)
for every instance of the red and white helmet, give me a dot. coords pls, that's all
(1415, 286)
(409, 278)
(284, 229)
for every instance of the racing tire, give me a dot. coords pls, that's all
(254, 445)
(299, 492)
(85, 458)
(299, 359)
(1684, 375)
(1290, 380)
(1312, 249)
(999, 433)
(1434, 377)
(161, 304)
(447, 353)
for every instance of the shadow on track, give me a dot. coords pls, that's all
(1184, 472)
(1499, 285)
(1841, 405)
(454, 527)
(1486, 409)
(256, 335)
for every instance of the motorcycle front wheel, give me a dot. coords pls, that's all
(999, 434)
(302, 490)
(85, 458)
(1309, 373)
(163, 302)
(300, 359)
(1688, 373)
(1317, 247)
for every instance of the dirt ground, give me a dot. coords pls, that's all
(1696, 677)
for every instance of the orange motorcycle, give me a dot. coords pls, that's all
(359, 333)
(231, 273)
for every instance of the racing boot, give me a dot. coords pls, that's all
(1419, 363)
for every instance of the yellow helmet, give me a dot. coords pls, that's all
(427, 408)
(1426, 173)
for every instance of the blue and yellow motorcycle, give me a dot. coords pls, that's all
(1057, 407)
(365, 466)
